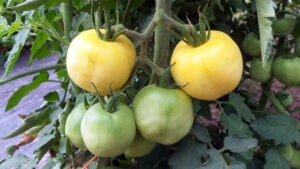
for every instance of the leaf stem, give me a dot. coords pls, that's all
(67, 18)
(279, 107)
(32, 72)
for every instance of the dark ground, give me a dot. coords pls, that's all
(9, 120)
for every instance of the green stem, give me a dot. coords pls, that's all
(126, 11)
(107, 34)
(67, 17)
(279, 107)
(153, 66)
(263, 99)
(32, 72)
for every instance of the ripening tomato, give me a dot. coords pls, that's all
(108, 134)
(104, 63)
(163, 115)
(209, 71)
(260, 73)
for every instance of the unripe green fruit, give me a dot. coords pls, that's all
(251, 45)
(297, 46)
(295, 160)
(260, 73)
(285, 98)
(286, 151)
(283, 26)
(287, 70)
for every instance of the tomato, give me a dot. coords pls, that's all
(297, 46)
(139, 147)
(92, 60)
(108, 134)
(296, 1)
(163, 115)
(260, 73)
(284, 26)
(73, 123)
(209, 71)
(251, 45)
(285, 98)
(294, 161)
(287, 69)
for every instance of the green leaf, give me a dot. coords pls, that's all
(24, 90)
(82, 20)
(278, 127)
(15, 162)
(3, 22)
(238, 145)
(201, 133)
(237, 101)
(38, 44)
(235, 125)
(14, 53)
(265, 10)
(52, 96)
(11, 150)
(275, 161)
(28, 5)
(15, 26)
(188, 154)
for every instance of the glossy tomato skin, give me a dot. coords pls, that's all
(283, 26)
(209, 71)
(90, 59)
(287, 70)
(163, 115)
(139, 147)
(260, 73)
(108, 134)
(251, 45)
(73, 123)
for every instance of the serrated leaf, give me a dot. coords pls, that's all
(235, 125)
(14, 53)
(14, 162)
(188, 154)
(239, 145)
(24, 90)
(237, 101)
(3, 22)
(28, 5)
(38, 44)
(201, 133)
(278, 127)
(15, 26)
(265, 10)
(52, 96)
(79, 20)
(275, 161)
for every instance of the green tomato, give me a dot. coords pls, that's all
(163, 115)
(296, 1)
(287, 70)
(297, 46)
(283, 26)
(73, 124)
(260, 73)
(108, 134)
(139, 147)
(251, 45)
(286, 151)
(285, 98)
(295, 159)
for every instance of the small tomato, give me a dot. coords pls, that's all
(209, 71)
(260, 73)
(251, 45)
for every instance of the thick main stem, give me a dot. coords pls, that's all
(67, 18)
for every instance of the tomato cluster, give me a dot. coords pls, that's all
(158, 115)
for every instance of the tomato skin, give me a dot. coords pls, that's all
(283, 26)
(209, 71)
(108, 134)
(163, 115)
(90, 59)
(139, 147)
(285, 98)
(251, 45)
(297, 46)
(260, 73)
(286, 70)
(73, 124)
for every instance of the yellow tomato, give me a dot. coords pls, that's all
(209, 71)
(93, 60)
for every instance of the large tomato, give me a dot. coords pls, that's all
(209, 71)
(73, 124)
(139, 147)
(92, 60)
(163, 115)
(287, 70)
(108, 134)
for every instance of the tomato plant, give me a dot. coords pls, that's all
(150, 84)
